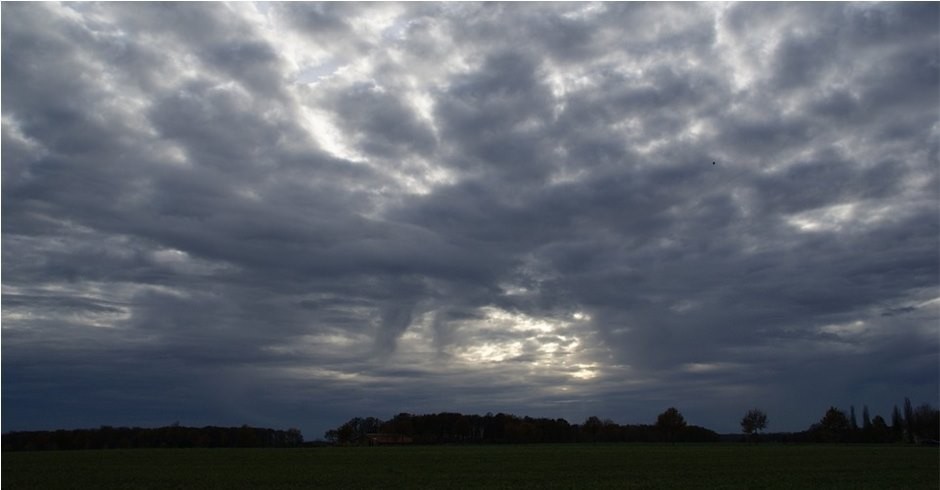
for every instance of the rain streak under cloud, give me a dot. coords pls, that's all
(292, 214)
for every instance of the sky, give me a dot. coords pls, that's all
(288, 215)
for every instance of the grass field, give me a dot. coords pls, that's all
(540, 466)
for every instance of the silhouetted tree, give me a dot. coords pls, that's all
(866, 434)
(331, 436)
(354, 431)
(670, 422)
(926, 424)
(591, 428)
(879, 432)
(754, 421)
(853, 422)
(400, 424)
(897, 424)
(833, 427)
(293, 437)
(908, 419)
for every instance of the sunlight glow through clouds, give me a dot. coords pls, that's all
(12, 130)
(328, 135)
(840, 216)
(518, 322)
(709, 367)
(94, 306)
(544, 345)
(850, 329)
(585, 371)
(491, 352)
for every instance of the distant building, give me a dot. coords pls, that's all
(387, 439)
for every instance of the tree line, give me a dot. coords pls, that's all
(456, 428)
(909, 424)
(913, 426)
(174, 436)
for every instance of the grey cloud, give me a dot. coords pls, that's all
(323, 20)
(329, 26)
(218, 127)
(255, 62)
(486, 113)
(383, 125)
(226, 45)
(171, 215)
(898, 311)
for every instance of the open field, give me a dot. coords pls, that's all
(539, 466)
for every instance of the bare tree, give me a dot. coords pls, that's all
(754, 421)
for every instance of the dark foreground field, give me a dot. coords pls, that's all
(548, 466)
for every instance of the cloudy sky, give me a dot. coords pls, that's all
(287, 215)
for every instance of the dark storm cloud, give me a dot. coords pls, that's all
(290, 214)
